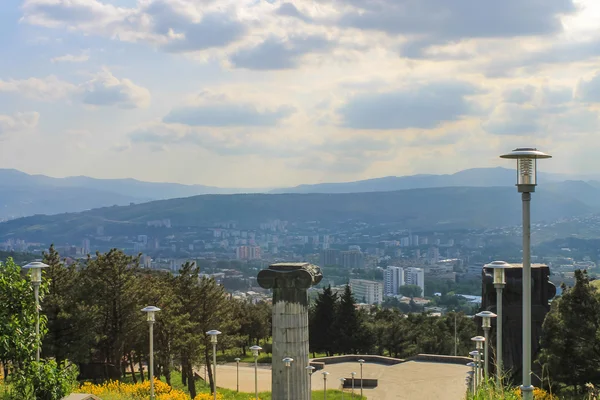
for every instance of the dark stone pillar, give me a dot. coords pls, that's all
(290, 282)
(542, 291)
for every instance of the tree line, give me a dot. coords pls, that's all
(338, 327)
(91, 316)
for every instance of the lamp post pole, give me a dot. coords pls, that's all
(288, 363)
(475, 354)
(151, 317)
(526, 182)
(352, 373)
(471, 374)
(325, 373)
(310, 370)
(455, 335)
(361, 362)
(499, 268)
(237, 374)
(486, 324)
(255, 350)
(342, 380)
(479, 341)
(35, 269)
(213, 339)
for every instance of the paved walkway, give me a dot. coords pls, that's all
(411, 380)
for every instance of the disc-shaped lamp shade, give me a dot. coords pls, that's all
(310, 369)
(342, 380)
(526, 164)
(478, 342)
(288, 361)
(151, 313)
(237, 359)
(35, 269)
(471, 364)
(486, 318)
(353, 373)
(361, 361)
(474, 353)
(325, 373)
(499, 273)
(213, 335)
(255, 350)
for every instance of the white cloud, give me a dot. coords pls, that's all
(19, 122)
(104, 89)
(49, 88)
(107, 90)
(74, 58)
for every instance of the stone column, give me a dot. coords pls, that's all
(290, 282)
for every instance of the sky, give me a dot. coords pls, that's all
(271, 93)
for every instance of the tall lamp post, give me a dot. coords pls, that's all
(288, 364)
(237, 374)
(479, 341)
(526, 182)
(499, 268)
(486, 324)
(151, 317)
(470, 376)
(475, 354)
(213, 339)
(353, 374)
(310, 370)
(325, 373)
(361, 362)
(36, 280)
(255, 349)
(342, 380)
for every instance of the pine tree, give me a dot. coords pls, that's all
(347, 325)
(570, 345)
(321, 332)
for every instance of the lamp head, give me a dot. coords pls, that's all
(310, 369)
(325, 373)
(361, 361)
(255, 350)
(237, 359)
(474, 353)
(526, 166)
(353, 373)
(288, 361)
(499, 273)
(35, 269)
(478, 342)
(151, 311)
(342, 380)
(213, 335)
(486, 318)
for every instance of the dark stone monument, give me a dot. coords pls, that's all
(542, 291)
(290, 282)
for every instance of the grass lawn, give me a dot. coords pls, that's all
(232, 395)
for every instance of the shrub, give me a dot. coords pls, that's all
(44, 380)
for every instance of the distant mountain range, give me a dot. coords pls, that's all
(418, 209)
(22, 194)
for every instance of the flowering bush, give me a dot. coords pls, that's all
(134, 390)
(538, 394)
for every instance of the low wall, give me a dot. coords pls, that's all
(354, 358)
(440, 359)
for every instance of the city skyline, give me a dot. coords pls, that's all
(272, 94)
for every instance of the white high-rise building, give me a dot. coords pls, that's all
(393, 278)
(415, 276)
(369, 292)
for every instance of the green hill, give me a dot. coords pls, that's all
(432, 208)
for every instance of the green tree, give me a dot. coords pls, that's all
(109, 285)
(321, 333)
(411, 291)
(570, 336)
(18, 341)
(346, 324)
